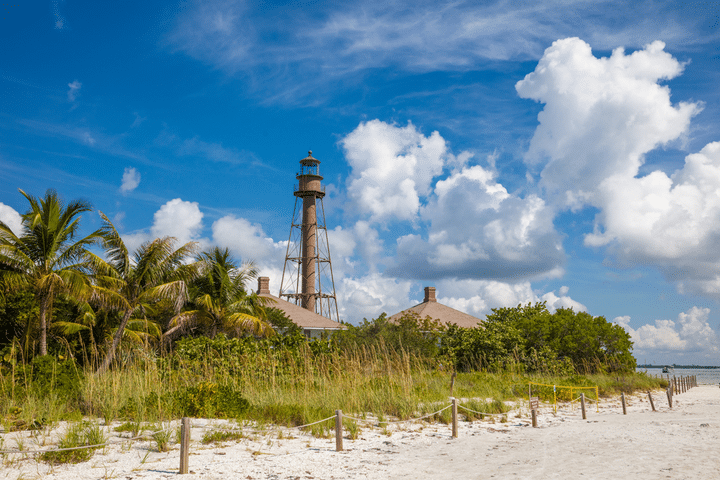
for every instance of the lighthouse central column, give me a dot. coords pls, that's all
(309, 242)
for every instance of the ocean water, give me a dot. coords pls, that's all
(704, 375)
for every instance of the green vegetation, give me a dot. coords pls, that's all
(163, 332)
(78, 435)
(219, 436)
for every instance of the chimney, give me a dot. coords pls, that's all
(429, 295)
(263, 286)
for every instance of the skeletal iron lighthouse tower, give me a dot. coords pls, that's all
(307, 278)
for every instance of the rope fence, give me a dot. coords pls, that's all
(98, 445)
(676, 386)
(394, 422)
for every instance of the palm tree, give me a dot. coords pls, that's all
(219, 300)
(156, 272)
(45, 256)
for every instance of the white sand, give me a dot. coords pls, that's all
(679, 443)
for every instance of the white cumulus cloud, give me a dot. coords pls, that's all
(601, 115)
(370, 295)
(479, 297)
(176, 218)
(249, 242)
(391, 168)
(689, 338)
(130, 180)
(10, 217)
(479, 230)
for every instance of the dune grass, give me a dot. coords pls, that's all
(285, 387)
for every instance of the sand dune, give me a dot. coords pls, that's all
(641, 445)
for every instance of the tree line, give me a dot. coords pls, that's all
(91, 291)
(89, 296)
(525, 339)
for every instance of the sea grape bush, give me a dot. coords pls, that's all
(532, 339)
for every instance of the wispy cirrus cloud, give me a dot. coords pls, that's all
(60, 22)
(295, 55)
(111, 144)
(74, 90)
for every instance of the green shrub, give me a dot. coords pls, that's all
(61, 377)
(219, 436)
(210, 400)
(162, 437)
(77, 435)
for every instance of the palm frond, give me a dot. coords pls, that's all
(250, 324)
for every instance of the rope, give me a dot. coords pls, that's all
(398, 421)
(561, 386)
(314, 423)
(482, 413)
(98, 445)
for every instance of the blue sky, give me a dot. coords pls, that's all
(503, 153)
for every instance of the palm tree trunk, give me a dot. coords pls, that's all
(110, 354)
(44, 307)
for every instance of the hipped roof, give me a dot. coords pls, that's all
(301, 317)
(437, 311)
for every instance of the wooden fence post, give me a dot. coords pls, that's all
(652, 405)
(533, 414)
(338, 431)
(184, 444)
(669, 395)
(622, 397)
(454, 418)
(582, 405)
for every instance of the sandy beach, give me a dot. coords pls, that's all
(640, 445)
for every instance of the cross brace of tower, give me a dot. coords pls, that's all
(307, 278)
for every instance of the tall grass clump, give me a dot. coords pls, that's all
(77, 435)
(283, 380)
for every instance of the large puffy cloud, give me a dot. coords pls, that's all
(479, 230)
(479, 297)
(690, 338)
(664, 217)
(176, 218)
(355, 250)
(391, 168)
(11, 218)
(601, 115)
(249, 242)
(370, 295)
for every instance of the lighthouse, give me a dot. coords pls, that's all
(307, 278)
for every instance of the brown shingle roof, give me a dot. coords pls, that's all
(301, 317)
(437, 311)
